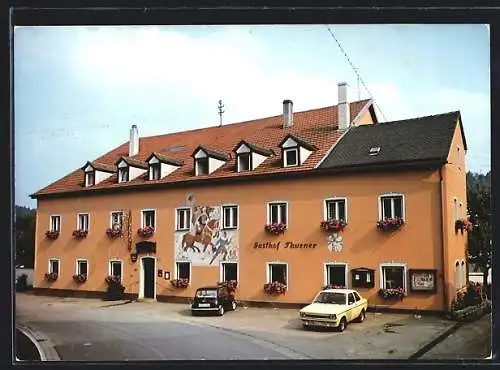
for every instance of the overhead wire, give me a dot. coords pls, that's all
(356, 71)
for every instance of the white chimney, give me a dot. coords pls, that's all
(287, 113)
(133, 144)
(344, 116)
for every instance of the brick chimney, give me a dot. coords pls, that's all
(133, 144)
(287, 113)
(344, 116)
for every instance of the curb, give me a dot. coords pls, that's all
(435, 341)
(43, 344)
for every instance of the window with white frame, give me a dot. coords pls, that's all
(90, 178)
(229, 271)
(183, 218)
(115, 268)
(335, 209)
(392, 206)
(55, 223)
(393, 276)
(336, 274)
(83, 221)
(148, 218)
(183, 270)
(82, 267)
(230, 217)
(290, 157)
(278, 272)
(54, 266)
(277, 212)
(116, 220)
(154, 171)
(244, 162)
(202, 166)
(123, 174)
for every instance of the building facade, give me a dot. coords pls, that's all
(308, 199)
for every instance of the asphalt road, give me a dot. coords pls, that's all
(106, 335)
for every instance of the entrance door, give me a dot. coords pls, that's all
(148, 266)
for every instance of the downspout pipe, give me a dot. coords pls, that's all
(443, 252)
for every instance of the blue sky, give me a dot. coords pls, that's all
(77, 90)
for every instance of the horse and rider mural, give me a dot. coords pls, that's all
(205, 244)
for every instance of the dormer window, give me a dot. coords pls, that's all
(295, 151)
(154, 171)
(90, 178)
(206, 161)
(291, 157)
(97, 172)
(244, 162)
(123, 174)
(202, 166)
(250, 156)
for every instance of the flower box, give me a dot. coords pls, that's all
(333, 225)
(275, 228)
(180, 283)
(330, 286)
(52, 234)
(389, 294)
(51, 276)
(80, 278)
(462, 225)
(146, 232)
(275, 288)
(113, 233)
(80, 234)
(231, 285)
(390, 224)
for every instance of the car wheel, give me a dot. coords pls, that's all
(194, 313)
(233, 305)
(361, 316)
(221, 311)
(306, 327)
(342, 325)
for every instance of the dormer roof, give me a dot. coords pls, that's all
(254, 148)
(299, 141)
(133, 162)
(164, 159)
(211, 153)
(100, 167)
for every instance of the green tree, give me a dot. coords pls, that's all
(479, 209)
(24, 227)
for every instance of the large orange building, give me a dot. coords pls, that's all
(328, 196)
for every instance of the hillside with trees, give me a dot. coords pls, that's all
(24, 228)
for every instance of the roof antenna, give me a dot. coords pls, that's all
(220, 107)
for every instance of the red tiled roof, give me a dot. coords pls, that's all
(317, 127)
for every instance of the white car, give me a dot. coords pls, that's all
(334, 308)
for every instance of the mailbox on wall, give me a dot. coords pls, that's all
(167, 275)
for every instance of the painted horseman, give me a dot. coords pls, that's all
(221, 246)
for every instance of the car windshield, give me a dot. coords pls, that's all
(207, 293)
(330, 297)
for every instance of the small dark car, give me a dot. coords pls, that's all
(215, 299)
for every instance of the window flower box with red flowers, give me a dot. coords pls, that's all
(180, 283)
(146, 232)
(231, 285)
(114, 233)
(275, 288)
(275, 228)
(52, 234)
(80, 234)
(333, 225)
(463, 224)
(80, 278)
(331, 286)
(389, 294)
(390, 224)
(51, 276)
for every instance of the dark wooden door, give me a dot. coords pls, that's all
(149, 277)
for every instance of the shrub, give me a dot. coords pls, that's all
(22, 283)
(115, 290)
